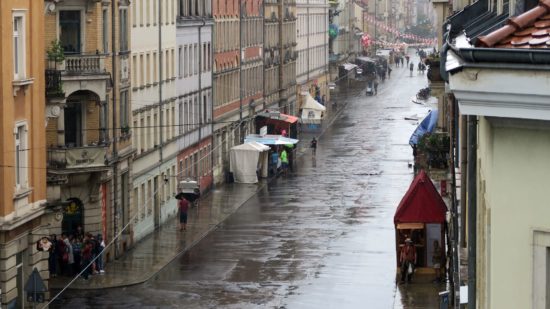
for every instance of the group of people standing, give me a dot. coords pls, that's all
(70, 254)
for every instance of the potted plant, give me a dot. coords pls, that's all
(56, 56)
(125, 130)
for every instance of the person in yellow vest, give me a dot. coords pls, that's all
(284, 161)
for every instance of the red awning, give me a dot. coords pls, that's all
(421, 203)
(279, 116)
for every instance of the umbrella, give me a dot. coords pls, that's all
(191, 197)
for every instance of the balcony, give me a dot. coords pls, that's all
(54, 86)
(77, 159)
(83, 64)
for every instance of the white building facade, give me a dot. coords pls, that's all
(154, 110)
(194, 92)
(313, 50)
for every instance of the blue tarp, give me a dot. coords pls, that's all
(426, 126)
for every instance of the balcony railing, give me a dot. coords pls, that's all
(84, 64)
(54, 87)
(78, 157)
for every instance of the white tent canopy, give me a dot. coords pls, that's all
(312, 111)
(246, 159)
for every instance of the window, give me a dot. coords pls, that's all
(142, 131)
(20, 156)
(148, 70)
(155, 69)
(18, 47)
(123, 29)
(185, 61)
(103, 121)
(105, 31)
(70, 31)
(180, 62)
(148, 12)
(124, 109)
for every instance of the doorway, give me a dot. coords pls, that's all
(73, 124)
(72, 216)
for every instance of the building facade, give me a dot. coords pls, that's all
(24, 216)
(194, 92)
(154, 111)
(341, 46)
(88, 135)
(226, 83)
(238, 75)
(312, 50)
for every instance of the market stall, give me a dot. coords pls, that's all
(312, 113)
(249, 160)
(420, 217)
(277, 123)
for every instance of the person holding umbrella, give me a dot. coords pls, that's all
(183, 206)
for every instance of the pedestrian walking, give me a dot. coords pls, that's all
(284, 161)
(313, 146)
(407, 260)
(389, 72)
(408, 58)
(401, 60)
(436, 261)
(411, 68)
(375, 86)
(183, 206)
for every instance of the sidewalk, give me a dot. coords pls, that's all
(165, 244)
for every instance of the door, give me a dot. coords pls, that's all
(72, 216)
(73, 124)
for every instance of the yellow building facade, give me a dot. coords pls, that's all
(88, 113)
(24, 217)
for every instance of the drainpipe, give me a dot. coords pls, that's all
(161, 119)
(114, 130)
(463, 172)
(201, 52)
(241, 139)
(472, 210)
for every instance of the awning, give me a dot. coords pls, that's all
(421, 204)
(349, 66)
(278, 116)
(410, 226)
(426, 126)
(311, 103)
(270, 139)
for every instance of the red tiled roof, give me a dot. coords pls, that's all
(528, 30)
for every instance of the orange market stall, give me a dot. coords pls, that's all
(420, 217)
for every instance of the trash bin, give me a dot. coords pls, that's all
(444, 300)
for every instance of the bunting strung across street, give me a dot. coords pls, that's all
(371, 20)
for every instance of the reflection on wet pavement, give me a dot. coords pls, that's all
(323, 237)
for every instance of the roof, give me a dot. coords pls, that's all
(278, 116)
(421, 204)
(527, 30)
(251, 146)
(311, 103)
(270, 139)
